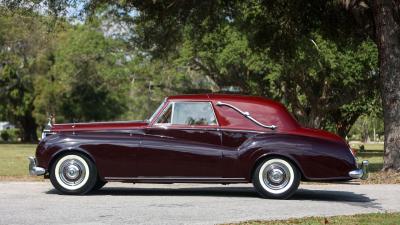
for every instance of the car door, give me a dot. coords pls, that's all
(183, 143)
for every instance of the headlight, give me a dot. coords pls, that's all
(46, 133)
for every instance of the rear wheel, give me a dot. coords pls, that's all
(276, 178)
(73, 174)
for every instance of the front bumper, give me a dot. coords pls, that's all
(362, 172)
(34, 169)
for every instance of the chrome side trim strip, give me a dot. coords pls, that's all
(173, 178)
(247, 115)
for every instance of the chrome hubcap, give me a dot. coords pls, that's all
(276, 176)
(72, 172)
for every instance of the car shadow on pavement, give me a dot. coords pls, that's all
(189, 191)
(347, 197)
(301, 194)
(329, 195)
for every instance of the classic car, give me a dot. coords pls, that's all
(202, 138)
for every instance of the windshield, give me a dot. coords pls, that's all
(157, 110)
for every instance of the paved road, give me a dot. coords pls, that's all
(39, 203)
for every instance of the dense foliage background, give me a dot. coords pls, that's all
(118, 60)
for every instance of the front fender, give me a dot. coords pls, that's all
(112, 152)
(52, 146)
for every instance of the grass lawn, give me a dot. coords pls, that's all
(369, 147)
(374, 154)
(364, 219)
(14, 161)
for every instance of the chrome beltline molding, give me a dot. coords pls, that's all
(108, 122)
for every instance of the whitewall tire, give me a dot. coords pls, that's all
(73, 173)
(276, 178)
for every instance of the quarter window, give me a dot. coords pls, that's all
(189, 113)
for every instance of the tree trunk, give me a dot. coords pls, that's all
(344, 122)
(314, 118)
(29, 127)
(386, 17)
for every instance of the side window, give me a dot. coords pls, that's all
(188, 113)
(193, 113)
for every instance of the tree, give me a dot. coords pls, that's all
(300, 53)
(331, 84)
(152, 80)
(88, 80)
(23, 37)
(387, 23)
(380, 19)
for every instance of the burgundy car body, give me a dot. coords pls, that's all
(223, 153)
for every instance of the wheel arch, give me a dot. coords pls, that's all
(271, 155)
(63, 152)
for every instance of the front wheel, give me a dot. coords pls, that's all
(276, 178)
(73, 174)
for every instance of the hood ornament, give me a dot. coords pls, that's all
(73, 126)
(50, 122)
(48, 126)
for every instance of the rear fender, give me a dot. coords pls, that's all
(316, 158)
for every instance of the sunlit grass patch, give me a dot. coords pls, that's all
(364, 219)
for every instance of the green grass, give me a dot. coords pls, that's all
(369, 147)
(14, 159)
(373, 153)
(364, 219)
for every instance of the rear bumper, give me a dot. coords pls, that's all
(362, 172)
(34, 169)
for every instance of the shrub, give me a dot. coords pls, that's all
(5, 136)
(11, 134)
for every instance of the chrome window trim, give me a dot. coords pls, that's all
(212, 128)
(172, 113)
(157, 110)
(173, 109)
(247, 115)
(163, 112)
(215, 115)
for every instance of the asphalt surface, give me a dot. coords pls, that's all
(117, 203)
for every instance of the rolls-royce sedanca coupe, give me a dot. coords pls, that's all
(203, 138)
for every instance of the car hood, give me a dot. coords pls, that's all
(96, 126)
